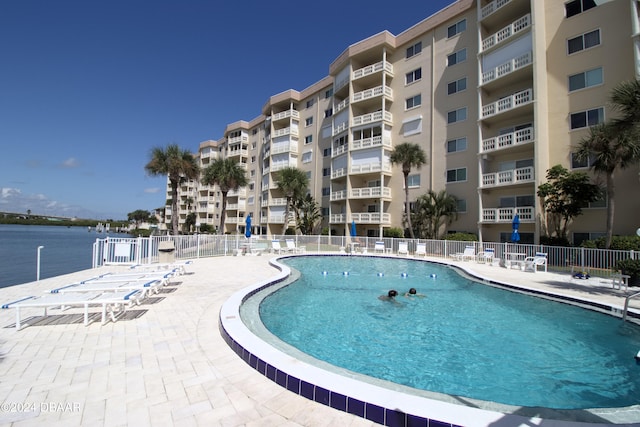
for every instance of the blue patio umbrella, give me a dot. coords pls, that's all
(353, 228)
(247, 229)
(515, 236)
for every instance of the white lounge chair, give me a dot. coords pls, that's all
(403, 248)
(469, 253)
(487, 256)
(533, 262)
(291, 247)
(143, 287)
(421, 250)
(111, 302)
(142, 276)
(276, 247)
(378, 247)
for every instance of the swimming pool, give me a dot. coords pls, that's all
(464, 338)
(381, 401)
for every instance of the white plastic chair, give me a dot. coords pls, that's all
(533, 262)
(421, 249)
(403, 248)
(378, 247)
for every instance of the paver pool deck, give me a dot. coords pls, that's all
(165, 363)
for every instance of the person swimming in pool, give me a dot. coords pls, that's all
(414, 293)
(390, 296)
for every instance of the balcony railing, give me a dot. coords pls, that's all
(336, 151)
(237, 139)
(507, 68)
(340, 128)
(521, 136)
(492, 7)
(507, 32)
(238, 192)
(338, 195)
(292, 147)
(371, 142)
(342, 105)
(371, 217)
(372, 69)
(509, 177)
(337, 173)
(286, 114)
(495, 215)
(279, 201)
(510, 102)
(285, 131)
(373, 93)
(370, 192)
(373, 117)
(370, 167)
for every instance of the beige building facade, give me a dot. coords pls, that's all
(495, 93)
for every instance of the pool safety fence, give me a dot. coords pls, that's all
(147, 250)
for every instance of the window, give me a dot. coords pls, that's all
(578, 238)
(517, 201)
(584, 41)
(457, 175)
(306, 157)
(328, 93)
(413, 76)
(326, 152)
(578, 6)
(585, 79)
(414, 50)
(461, 205)
(326, 191)
(252, 173)
(308, 174)
(253, 159)
(457, 57)
(581, 163)
(457, 115)
(308, 139)
(457, 28)
(413, 181)
(310, 103)
(328, 113)
(326, 171)
(600, 203)
(459, 144)
(308, 121)
(457, 86)
(583, 119)
(411, 126)
(413, 102)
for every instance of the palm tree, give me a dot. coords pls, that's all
(408, 155)
(432, 211)
(293, 183)
(228, 175)
(178, 165)
(614, 145)
(308, 214)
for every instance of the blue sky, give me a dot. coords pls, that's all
(88, 88)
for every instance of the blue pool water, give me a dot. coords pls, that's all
(464, 338)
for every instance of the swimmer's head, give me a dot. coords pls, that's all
(392, 293)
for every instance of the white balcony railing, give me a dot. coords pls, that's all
(237, 139)
(238, 192)
(507, 32)
(341, 106)
(521, 136)
(373, 93)
(337, 173)
(279, 201)
(291, 147)
(336, 151)
(338, 218)
(507, 68)
(372, 117)
(371, 142)
(285, 131)
(510, 102)
(340, 128)
(372, 69)
(370, 192)
(338, 195)
(371, 217)
(286, 114)
(509, 177)
(492, 7)
(371, 167)
(526, 214)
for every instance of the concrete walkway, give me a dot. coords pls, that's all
(164, 362)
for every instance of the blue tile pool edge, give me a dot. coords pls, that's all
(343, 401)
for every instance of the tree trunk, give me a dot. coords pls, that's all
(611, 192)
(174, 206)
(407, 210)
(223, 213)
(286, 216)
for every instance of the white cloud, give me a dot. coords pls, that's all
(70, 163)
(14, 201)
(153, 190)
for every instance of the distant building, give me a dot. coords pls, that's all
(495, 92)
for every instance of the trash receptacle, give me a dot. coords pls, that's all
(166, 252)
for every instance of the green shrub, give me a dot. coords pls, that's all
(554, 241)
(621, 243)
(464, 237)
(393, 232)
(630, 267)
(290, 231)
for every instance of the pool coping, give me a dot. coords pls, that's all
(376, 403)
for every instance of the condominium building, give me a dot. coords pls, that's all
(495, 93)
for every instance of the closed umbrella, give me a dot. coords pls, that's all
(515, 224)
(247, 229)
(353, 228)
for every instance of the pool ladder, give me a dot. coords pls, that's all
(626, 305)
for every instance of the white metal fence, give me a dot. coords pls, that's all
(598, 262)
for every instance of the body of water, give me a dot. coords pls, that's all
(66, 249)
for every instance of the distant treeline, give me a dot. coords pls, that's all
(7, 218)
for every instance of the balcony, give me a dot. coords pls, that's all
(341, 106)
(374, 92)
(376, 141)
(507, 32)
(505, 215)
(372, 69)
(276, 219)
(507, 68)
(285, 131)
(291, 147)
(371, 218)
(233, 220)
(372, 117)
(238, 192)
(511, 102)
(370, 192)
(285, 115)
(337, 173)
(509, 177)
(522, 136)
(338, 218)
(370, 168)
(236, 206)
(237, 139)
(279, 201)
(492, 8)
(280, 166)
(336, 151)
(237, 152)
(339, 128)
(338, 195)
